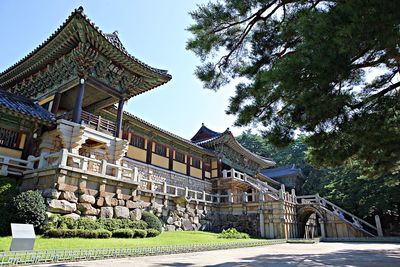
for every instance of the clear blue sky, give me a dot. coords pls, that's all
(153, 31)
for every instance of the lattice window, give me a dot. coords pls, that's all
(196, 163)
(9, 138)
(179, 156)
(161, 150)
(137, 141)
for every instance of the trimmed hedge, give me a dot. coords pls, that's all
(140, 233)
(123, 233)
(152, 221)
(8, 190)
(152, 232)
(232, 233)
(68, 233)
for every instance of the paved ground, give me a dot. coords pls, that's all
(320, 254)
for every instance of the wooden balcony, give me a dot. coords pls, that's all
(93, 121)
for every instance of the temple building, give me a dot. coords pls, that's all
(64, 131)
(290, 176)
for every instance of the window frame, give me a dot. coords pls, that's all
(137, 137)
(163, 148)
(183, 160)
(195, 165)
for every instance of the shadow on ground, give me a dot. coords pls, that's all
(341, 258)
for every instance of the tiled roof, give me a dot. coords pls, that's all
(25, 107)
(110, 38)
(282, 171)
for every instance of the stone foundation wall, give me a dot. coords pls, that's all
(76, 195)
(248, 223)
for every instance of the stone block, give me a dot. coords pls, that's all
(69, 196)
(100, 202)
(135, 214)
(137, 205)
(169, 228)
(60, 206)
(178, 224)
(187, 225)
(87, 199)
(87, 209)
(110, 201)
(196, 220)
(121, 202)
(51, 193)
(106, 212)
(121, 212)
(170, 220)
(73, 216)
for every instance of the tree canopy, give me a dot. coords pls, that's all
(329, 69)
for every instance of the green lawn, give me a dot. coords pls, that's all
(167, 238)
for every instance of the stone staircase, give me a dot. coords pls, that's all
(343, 215)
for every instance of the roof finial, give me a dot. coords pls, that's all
(115, 32)
(227, 129)
(80, 9)
(202, 124)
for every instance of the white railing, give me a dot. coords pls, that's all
(339, 212)
(78, 163)
(13, 166)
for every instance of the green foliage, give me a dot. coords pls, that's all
(29, 207)
(152, 221)
(123, 233)
(68, 223)
(152, 233)
(102, 233)
(327, 69)
(87, 224)
(232, 233)
(114, 224)
(140, 233)
(8, 190)
(69, 233)
(128, 223)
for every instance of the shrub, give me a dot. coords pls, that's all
(60, 233)
(67, 223)
(139, 233)
(8, 190)
(152, 221)
(29, 207)
(86, 233)
(109, 224)
(128, 223)
(124, 233)
(152, 232)
(233, 233)
(87, 224)
(102, 233)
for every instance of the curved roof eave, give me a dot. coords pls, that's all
(76, 14)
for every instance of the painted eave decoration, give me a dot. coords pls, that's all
(208, 138)
(77, 32)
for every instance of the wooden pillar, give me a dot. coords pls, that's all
(119, 117)
(188, 165)
(149, 151)
(203, 170)
(56, 103)
(219, 166)
(171, 158)
(77, 113)
(378, 225)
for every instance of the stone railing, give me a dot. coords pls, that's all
(341, 214)
(157, 180)
(78, 163)
(13, 166)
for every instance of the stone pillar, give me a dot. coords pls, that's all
(378, 225)
(119, 117)
(77, 113)
(322, 224)
(262, 225)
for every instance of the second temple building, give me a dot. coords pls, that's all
(64, 131)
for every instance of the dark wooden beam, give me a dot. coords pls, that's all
(104, 87)
(149, 151)
(120, 112)
(171, 159)
(56, 103)
(101, 104)
(76, 114)
(188, 165)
